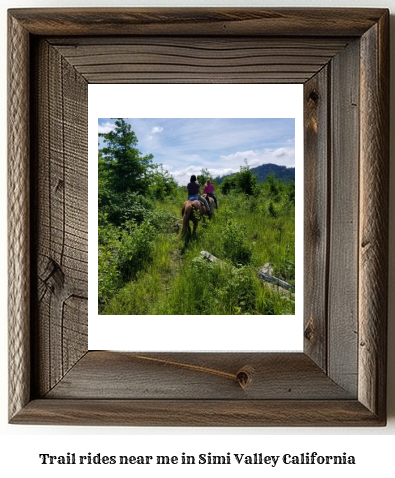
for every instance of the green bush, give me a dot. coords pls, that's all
(235, 247)
(128, 206)
(238, 291)
(246, 181)
(285, 268)
(161, 184)
(123, 252)
(109, 279)
(228, 184)
(135, 248)
(272, 210)
(206, 288)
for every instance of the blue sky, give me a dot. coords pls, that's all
(185, 146)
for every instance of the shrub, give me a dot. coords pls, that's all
(161, 183)
(272, 210)
(273, 186)
(216, 288)
(129, 206)
(229, 184)
(160, 220)
(285, 268)
(123, 252)
(109, 279)
(238, 292)
(135, 248)
(246, 181)
(235, 247)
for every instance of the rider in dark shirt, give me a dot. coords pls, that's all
(193, 187)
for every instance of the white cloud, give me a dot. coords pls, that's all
(240, 156)
(280, 152)
(229, 164)
(106, 127)
(281, 156)
(156, 129)
(182, 176)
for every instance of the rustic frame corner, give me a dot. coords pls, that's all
(342, 58)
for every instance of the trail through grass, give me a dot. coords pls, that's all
(244, 234)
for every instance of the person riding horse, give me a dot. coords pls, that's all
(193, 188)
(194, 203)
(209, 191)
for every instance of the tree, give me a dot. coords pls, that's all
(203, 176)
(162, 184)
(246, 180)
(125, 169)
(273, 186)
(228, 184)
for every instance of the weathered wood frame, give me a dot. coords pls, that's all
(342, 57)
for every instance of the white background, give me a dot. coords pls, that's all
(20, 445)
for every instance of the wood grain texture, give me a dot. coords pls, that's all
(373, 228)
(18, 218)
(316, 214)
(259, 22)
(61, 206)
(344, 203)
(225, 60)
(202, 413)
(135, 376)
(347, 227)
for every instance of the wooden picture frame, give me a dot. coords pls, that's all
(342, 58)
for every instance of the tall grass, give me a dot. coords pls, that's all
(244, 234)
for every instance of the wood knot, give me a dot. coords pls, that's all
(244, 376)
(308, 331)
(54, 275)
(59, 185)
(313, 96)
(366, 245)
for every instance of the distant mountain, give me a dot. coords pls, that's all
(262, 172)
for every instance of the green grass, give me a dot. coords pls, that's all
(244, 234)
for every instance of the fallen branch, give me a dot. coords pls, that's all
(266, 272)
(209, 256)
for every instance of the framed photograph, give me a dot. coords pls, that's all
(341, 57)
(159, 289)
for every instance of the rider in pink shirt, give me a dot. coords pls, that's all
(208, 187)
(209, 190)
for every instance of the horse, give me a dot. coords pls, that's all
(193, 211)
(211, 201)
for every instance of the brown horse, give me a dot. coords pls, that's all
(193, 211)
